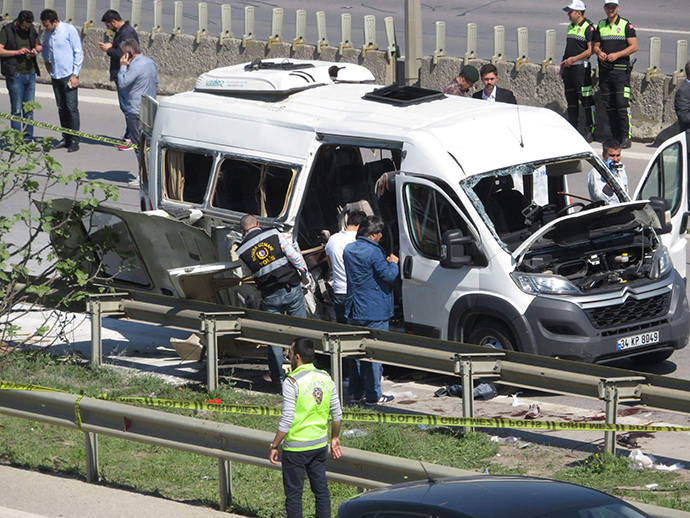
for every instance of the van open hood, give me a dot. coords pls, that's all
(577, 227)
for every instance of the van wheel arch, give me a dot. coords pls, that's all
(474, 311)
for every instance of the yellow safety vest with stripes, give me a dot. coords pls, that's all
(309, 429)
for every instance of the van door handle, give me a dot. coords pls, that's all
(407, 267)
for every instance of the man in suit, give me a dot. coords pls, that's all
(683, 101)
(491, 92)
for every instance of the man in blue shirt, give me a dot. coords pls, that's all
(63, 56)
(369, 302)
(138, 76)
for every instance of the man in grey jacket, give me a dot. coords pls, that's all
(138, 76)
(683, 101)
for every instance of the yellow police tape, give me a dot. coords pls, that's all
(68, 131)
(369, 417)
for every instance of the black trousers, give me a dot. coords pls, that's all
(578, 89)
(295, 464)
(614, 85)
(67, 100)
(133, 131)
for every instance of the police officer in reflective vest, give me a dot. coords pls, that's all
(575, 69)
(614, 41)
(278, 270)
(309, 397)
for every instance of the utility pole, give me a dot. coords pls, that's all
(413, 40)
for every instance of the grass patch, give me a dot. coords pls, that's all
(184, 476)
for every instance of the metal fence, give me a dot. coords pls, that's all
(608, 384)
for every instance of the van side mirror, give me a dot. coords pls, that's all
(454, 246)
(663, 211)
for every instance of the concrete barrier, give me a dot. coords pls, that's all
(181, 60)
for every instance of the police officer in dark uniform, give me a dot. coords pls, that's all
(614, 41)
(278, 271)
(575, 68)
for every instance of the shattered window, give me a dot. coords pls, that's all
(186, 175)
(515, 202)
(253, 188)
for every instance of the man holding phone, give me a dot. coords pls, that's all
(599, 188)
(138, 76)
(123, 32)
(18, 48)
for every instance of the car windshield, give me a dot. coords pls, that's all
(515, 202)
(615, 510)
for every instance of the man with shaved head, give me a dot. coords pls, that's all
(278, 270)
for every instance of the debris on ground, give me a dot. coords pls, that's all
(533, 412)
(483, 391)
(628, 441)
(354, 432)
(641, 461)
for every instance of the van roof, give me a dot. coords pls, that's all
(482, 136)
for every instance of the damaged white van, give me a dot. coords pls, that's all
(486, 205)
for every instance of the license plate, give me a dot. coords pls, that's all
(649, 338)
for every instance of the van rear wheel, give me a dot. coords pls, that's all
(492, 333)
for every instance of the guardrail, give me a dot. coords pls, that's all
(608, 384)
(223, 441)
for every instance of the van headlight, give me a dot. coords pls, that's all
(550, 284)
(661, 263)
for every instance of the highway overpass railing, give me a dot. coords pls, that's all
(608, 384)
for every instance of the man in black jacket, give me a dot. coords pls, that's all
(491, 92)
(123, 32)
(683, 101)
(18, 48)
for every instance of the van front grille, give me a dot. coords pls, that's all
(632, 310)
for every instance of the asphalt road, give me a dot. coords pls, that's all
(100, 115)
(666, 19)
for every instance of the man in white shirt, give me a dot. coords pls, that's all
(599, 188)
(491, 92)
(334, 249)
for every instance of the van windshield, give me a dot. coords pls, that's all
(516, 201)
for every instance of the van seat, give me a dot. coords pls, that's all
(505, 205)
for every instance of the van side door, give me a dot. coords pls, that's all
(667, 177)
(425, 214)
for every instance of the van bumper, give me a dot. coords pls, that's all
(564, 329)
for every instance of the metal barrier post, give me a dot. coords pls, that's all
(681, 60)
(471, 42)
(93, 307)
(248, 25)
(523, 47)
(549, 50)
(225, 23)
(203, 22)
(276, 27)
(413, 40)
(300, 28)
(321, 31)
(613, 390)
(114, 5)
(440, 51)
(392, 47)
(90, 15)
(6, 9)
(369, 33)
(654, 57)
(47, 4)
(91, 457)
(208, 327)
(135, 19)
(463, 366)
(69, 11)
(225, 482)
(499, 44)
(345, 32)
(334, 344)
(157, 18)
(178, 18)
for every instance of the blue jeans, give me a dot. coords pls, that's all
(67, 100)
(282, 302)
(365, 377)
(22, 88)
(124, 105)
(339, 307)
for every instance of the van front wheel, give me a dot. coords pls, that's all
(491, 333)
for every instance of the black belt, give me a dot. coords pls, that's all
(283, 285)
